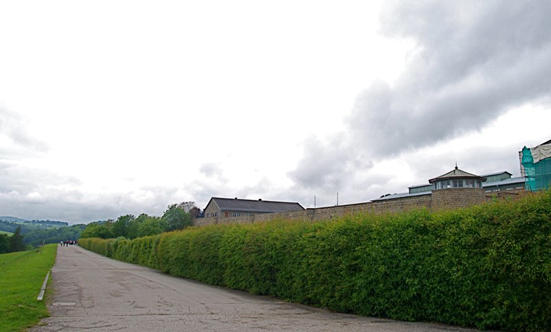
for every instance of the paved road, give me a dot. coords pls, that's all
(94, 293)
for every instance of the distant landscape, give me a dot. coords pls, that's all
(38, 232)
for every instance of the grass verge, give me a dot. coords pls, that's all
(21, 277)
(7, 233)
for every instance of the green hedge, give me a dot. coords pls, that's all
(487, 266)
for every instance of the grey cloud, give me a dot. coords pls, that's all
(76, 206)
(473, 62)
(34, 193)
(476, 60)
(210, 170)
(321, 165)
(14, 128)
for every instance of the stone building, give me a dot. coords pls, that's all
(233, 207)
(453, 189)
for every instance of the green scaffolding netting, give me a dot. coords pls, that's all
(538, 175)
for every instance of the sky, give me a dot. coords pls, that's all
(110, 108)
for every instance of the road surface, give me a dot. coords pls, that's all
(95, 293)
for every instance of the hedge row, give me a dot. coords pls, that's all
(487, 266)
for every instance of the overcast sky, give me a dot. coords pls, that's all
(116, 107)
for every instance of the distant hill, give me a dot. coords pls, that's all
(10, 224)
(39, 223)
(12, 219)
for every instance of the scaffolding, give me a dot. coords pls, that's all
(537, 173)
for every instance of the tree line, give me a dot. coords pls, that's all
(131, 227)
(12, 243)
(53, 235)
(10, 226)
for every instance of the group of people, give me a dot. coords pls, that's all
(68, 242)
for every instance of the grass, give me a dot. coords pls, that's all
(21, 277)
(7, 233)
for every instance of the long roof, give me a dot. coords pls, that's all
(497, 173)
(516, 180)
(255, 206)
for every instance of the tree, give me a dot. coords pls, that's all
(132, 230)
(53, 235)
(16, 241)
(186, 206)
(151, 226)
(4, 243)
(98, 229)
(176, 218)
(120, 227)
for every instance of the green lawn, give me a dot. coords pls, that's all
(21, 277)
(8, 233)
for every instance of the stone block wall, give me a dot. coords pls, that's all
(454, 198)
(327, 213)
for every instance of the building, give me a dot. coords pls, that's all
(536, 166)
(234, 207)
(453, 189)
(494, 182)
(458, 188)
(502, 182)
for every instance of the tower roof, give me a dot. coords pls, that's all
(457, 174)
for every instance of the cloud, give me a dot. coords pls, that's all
(327, 164)
(32, 192)
(77, 205)
(14, 137)
(212, 170)
(472, 62)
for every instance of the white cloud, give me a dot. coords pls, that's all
(127, 107)
(474, 63)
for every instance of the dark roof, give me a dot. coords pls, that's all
(498, 173)
(457, 174)
(400, 195)
(255, 206)
(548, 142)
(420, 185)
(505, 182)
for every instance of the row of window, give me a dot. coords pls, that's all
(460, 183)
(234, 214)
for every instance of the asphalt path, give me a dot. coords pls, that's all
(95, 293)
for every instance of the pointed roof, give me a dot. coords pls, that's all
(457, 174)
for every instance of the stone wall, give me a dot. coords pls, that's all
(327, 213)
(452, 198)
(506, 194)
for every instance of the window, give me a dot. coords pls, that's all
(457, 183)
